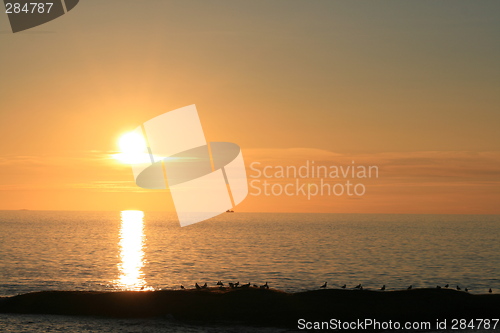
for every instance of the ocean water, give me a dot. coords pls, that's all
(42, 323)
(48, 250)
(132, 250)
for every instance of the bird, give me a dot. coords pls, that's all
(245, 285)
(255, 286)
(358, 286)
(205, 286)
(324, 285)
(409, 288)
(361, 288)
(344, 286)
(197, 286)
(231, 284)
(490, 291)
(458, 288)
(220, 283)
(266, 286)
(446, 285)
(466, 290)
(237, 284)
(438, 287)
(383, 287)
(142, 288)
(182, 287)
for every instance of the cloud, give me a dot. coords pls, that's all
(108, 186)
(85, 168)
(421, 168)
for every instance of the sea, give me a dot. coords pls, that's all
(135, 250)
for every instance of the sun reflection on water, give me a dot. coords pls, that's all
(131, 251)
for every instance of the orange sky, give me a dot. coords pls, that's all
(411, 87)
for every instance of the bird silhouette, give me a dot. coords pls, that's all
(344, 286)
(438, 287)
(255, 286)
(458, 288)
(466, 290)
(383, 287)
(237, 284)
(197, 286)
(205, 286)
(490, 291)
(324, 285)
(358, 286)
(220, 283)
(361, 288)
(182, 287)
(245, 285)
(266, 286)
(409, 288)
(447, 285)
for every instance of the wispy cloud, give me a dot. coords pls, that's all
(418, 168)
(84, 169)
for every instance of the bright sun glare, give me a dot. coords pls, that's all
(133, 149)
(132, 143)
(131, 250)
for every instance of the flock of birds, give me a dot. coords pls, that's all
(360, 287)
(230, 284)
(266, 286)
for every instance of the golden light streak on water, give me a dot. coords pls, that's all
(132, 251)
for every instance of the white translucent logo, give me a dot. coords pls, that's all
(170, 152)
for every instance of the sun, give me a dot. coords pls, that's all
(132, 143)
(133, 149)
